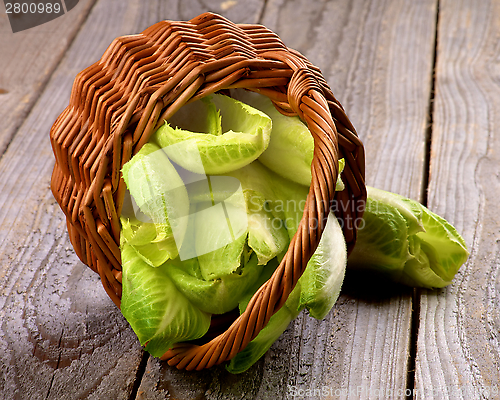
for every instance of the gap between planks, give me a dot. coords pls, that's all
(417, 293)
(141, 370)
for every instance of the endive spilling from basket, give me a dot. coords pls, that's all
(220, 191)
(214, 215)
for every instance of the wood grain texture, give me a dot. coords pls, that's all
(458, 346)
(237, 11)
(27, 60)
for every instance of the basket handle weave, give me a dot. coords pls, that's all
(307, 101)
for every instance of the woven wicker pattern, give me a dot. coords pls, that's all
(140, 81)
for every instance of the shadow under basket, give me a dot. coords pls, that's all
(141, 80)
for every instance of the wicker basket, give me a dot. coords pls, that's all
(140, 81)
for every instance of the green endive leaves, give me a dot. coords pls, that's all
(291, 148)
(222, 145)
(408, 242)
(317, 290)
(214, 296)
(157, 311)
(321, 282)
(195, 244)
(161, 196)
(214, 200)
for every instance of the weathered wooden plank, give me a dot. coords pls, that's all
(28, 58)
(237, 11)
(360, 350)
(458, 343)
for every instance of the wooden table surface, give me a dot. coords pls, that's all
(420, 81)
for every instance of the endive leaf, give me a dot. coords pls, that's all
(245, 136)
(158, 312)
(407, 241)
